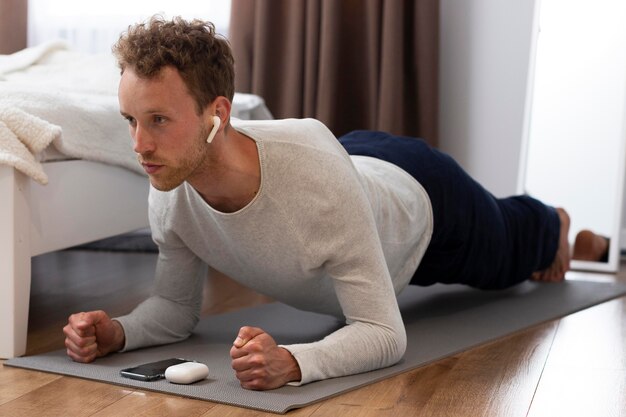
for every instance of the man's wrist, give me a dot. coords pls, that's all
(293, 374)
(119, 336)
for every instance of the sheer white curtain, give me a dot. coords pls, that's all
(94, 26)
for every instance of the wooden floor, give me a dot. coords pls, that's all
(575, 366)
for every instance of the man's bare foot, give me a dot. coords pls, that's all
(589, 246)
(556, 271)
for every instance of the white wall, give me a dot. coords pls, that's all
(484, 62)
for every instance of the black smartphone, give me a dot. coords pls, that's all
(151, 371)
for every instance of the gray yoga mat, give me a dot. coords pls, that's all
(440, 321)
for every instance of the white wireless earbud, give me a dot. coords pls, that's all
(216, 125)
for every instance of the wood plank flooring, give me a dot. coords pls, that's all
(575, 366)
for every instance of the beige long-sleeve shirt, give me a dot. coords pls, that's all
(326, 232)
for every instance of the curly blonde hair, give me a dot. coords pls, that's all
(202, 57)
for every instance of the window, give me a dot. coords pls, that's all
(94, 26)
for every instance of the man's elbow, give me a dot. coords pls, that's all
(396, 348)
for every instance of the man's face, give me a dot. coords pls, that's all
(169, 136)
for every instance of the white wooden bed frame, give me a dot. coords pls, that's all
(83, 201)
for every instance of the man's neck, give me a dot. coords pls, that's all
(233, 176)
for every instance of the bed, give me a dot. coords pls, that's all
(72, 178)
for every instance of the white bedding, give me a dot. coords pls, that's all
(75, 97)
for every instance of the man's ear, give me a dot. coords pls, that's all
(221, 107)
(219, 111)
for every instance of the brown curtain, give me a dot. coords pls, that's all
(353, 64)
(12, 25)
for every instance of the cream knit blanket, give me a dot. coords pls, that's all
(21, 137)
(21, 134)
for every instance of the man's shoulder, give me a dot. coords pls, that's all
(295, 140)
(275, 125)
(294, 131)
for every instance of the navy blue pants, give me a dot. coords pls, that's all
(478, 240)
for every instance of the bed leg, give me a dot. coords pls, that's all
(15, 272)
